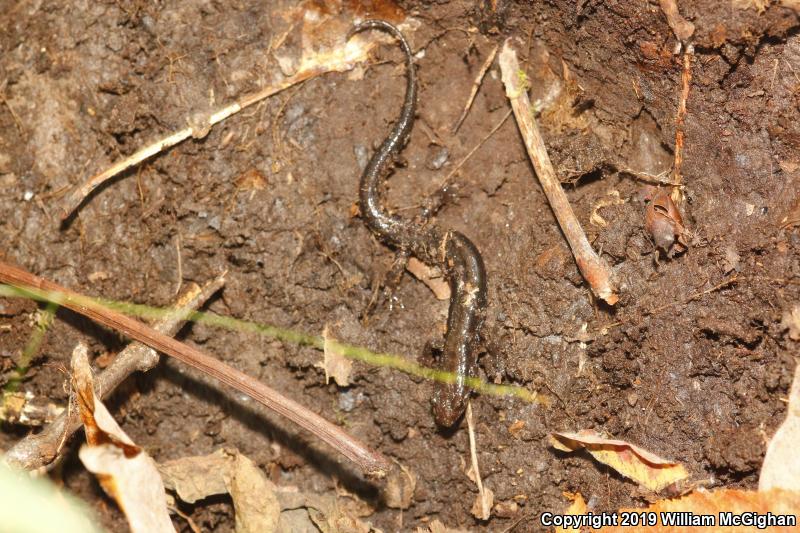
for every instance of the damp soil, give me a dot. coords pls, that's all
(692, 363)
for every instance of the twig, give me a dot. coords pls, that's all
(475, 86)
(41, 449)
(473, 458)
(474, 149)
(594, 269)
(179, 274)
(680, 119)
(370, 461)
(199, 124)
(659, 179)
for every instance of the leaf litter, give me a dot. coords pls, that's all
(124, 470)
(259, 504)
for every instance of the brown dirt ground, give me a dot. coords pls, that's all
(697, 380)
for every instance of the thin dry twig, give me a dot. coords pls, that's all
(41, 449)
(370, 461)
(594, 269)
(475, 86)
(483, 497)
(474, 149)
(200, 124)
(680, 119)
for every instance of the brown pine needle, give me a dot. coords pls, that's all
(370, 461)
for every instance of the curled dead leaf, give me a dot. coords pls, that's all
(643, 467)
(664, 223)
(255, 503)
(123, 469)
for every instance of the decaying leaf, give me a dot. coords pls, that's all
(259, 505)
(576, 508)
(432, 277)
(399, 489)
(255, 503)
(664, 223)
(637, 464)
(781, 467)
(123, 469)
(334, 363)
(715, 504)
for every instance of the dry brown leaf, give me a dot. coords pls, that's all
(576, 508)
(316, 512)
(258, 504)
(482, 506)
(334, 363)
(637, 464)
(432, 277)
(717, 504)
(400, 486)
(195, 478)
(123, 469)
(781, 467)
(255, 503)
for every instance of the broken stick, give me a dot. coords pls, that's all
(371, 462)
(594, 269)
(340, 58)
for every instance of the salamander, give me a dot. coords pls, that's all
(453, 252)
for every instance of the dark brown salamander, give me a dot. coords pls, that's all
(458, 258)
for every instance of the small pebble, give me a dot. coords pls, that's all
(27, 196)
(347, 401)
(632, 399)
(361, 156)
(438, 157)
